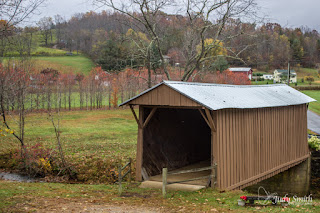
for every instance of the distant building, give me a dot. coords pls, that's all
(166, 59)
(245, 70)
(267, 76)
(281, 76)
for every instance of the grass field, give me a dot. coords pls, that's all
(55, 197)
(75, 63)
(94, 142)
(314, 106)
(44, 57)
(100, 132)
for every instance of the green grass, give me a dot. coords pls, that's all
(307, 71)
(261, 82)
(101, 132)
(30, 197)
(50, 51)
(314, 106)
(75, 63)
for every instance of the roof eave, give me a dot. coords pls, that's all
(144, 92)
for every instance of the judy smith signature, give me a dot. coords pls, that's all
(274, 198)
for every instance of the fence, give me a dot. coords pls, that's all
(121, 177)
(211, 178)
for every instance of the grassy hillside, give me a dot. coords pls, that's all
(75, 63)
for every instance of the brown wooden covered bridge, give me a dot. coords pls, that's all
(250, 132)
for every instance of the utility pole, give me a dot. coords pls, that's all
(288, 73)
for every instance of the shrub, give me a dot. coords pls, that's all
(309, 78)
(93, 169)
(314, 143)
(36, 160)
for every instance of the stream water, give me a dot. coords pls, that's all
(17, 177)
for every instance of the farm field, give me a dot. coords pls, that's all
(314, 106)
(44, 57)
(83, 132)
(75, 63)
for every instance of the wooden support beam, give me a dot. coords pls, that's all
(149, 117)
(135, 116)
(139, 156)
(209, 117)
(205, 118)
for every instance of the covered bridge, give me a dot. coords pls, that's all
(250, 132)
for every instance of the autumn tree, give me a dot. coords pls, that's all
(45, 25)
(145, 14)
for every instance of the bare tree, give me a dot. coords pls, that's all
(16, 11)
(145, 13)
(58, 21)
(45, 24)
(205, 19)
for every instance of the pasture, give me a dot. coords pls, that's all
(75, 63)
(314, 106)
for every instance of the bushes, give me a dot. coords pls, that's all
(307, 87)
(314, 143)
(309, 78)
(36, 160)
(92, 169)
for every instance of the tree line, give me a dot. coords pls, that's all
(119, 39)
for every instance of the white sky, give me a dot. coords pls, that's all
(290, 13)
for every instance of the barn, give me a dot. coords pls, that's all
(243, 133)
(242, 70)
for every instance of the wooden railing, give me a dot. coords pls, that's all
(210, 178)
(127, 173)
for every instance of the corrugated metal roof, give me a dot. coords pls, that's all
(240, 69)
(222, 96)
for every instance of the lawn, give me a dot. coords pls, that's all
(29, 197)
(75, 63)
(100, 132)
(314, 106)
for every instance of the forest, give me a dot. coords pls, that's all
(116, 41)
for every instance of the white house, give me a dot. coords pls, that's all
(267, 76)
(281, 76)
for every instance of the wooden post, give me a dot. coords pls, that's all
(120, 180)
(164, 181)
(214, 149)
(139, 146)
(129, 174)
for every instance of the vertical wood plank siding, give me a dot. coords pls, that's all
(255, 144)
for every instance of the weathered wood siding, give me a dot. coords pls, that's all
(253, 144)
(164, 96)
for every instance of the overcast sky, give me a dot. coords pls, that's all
(290, 13)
